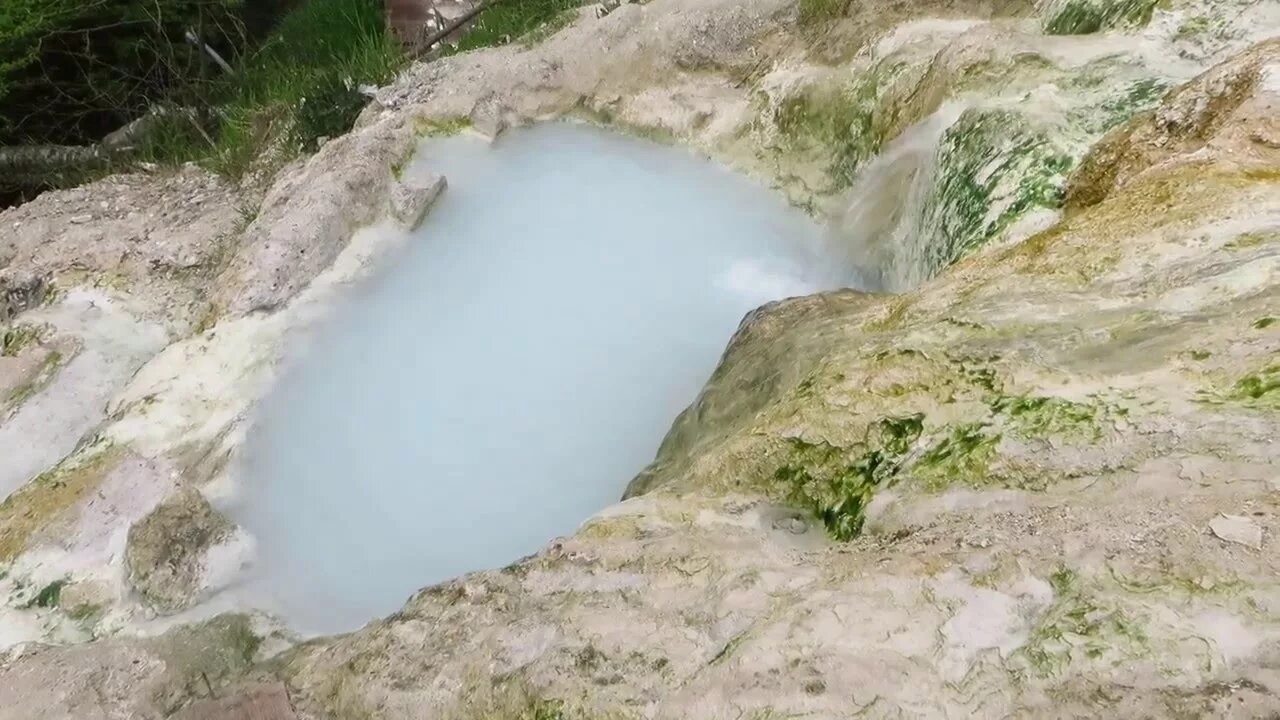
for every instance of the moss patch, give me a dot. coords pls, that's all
(604, 116)
(817, 12)
(1078, 626)
(973, 415)
(836, 484)
(992, 169)
(1251, 240)
(48, 597)
(1175, 579)
(440, 127)
(1193, 26)
(19, 337)
(42, 378)
(514, 699)
(204, 657)
(1042, 417)
(842, 122)
(38, 502)
(1136, 97)
(625, 527)
(1104, 217)
(1081, 17)
(1259, 387)
(961, 456)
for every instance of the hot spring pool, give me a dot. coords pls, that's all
(507, 373)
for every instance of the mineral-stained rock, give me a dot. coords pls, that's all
(128, 677)
(166, 550)
(412, 196)
(20, 290)
(307, 217)
(1237, 529)
(491, 116)
(1218, 116)
(256, 701)
(162, 238)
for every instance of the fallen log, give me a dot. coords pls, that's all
(51, 164)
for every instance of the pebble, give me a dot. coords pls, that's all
(1237, 529)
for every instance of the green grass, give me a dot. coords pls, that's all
(511, 20)
(300, 86)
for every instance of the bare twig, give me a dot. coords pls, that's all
(425, 46)
(200, 44)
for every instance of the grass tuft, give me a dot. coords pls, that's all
(301, 86)
(528, 20)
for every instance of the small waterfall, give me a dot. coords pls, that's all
(879, 227)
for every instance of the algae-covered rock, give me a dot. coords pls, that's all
(993, 167)
(166, 550)
(1081, 17)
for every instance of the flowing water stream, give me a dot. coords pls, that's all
(510, 372)
(884, 230)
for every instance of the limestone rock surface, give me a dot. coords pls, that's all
(1001, 480)
(1000, 492)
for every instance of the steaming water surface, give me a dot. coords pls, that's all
(510, 371)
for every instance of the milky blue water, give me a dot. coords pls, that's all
(511, 369)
